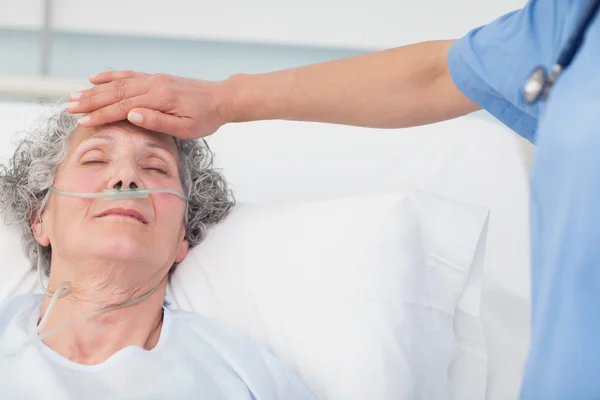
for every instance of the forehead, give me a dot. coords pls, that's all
(119, 130)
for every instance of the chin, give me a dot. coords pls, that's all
(123, 247)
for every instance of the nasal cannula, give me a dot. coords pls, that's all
(117, 194)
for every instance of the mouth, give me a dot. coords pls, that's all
(124, 212)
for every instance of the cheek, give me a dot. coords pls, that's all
(81, 181)
(63, 215)
(153, 179)
(170, 213)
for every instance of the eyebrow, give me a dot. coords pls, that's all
(108, 138)
(154, 145)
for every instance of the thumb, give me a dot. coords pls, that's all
(156, 121)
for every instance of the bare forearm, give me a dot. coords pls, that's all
(395, 88)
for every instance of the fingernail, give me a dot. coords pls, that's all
(93, 76)
(134, 117)
(75, 96)
(72, 104)
(83, 120)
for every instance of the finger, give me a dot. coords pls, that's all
(161, 122)
(108, 76)
(105, 87)
(111, 93)
(115, 112)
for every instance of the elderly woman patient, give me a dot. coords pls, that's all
(102, 330)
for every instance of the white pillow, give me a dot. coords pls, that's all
(357, 295)
(451, 226)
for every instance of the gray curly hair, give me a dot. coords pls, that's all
(25, 180)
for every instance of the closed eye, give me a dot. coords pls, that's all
(93, 162)
(160, 170)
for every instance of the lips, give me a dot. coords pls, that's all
(125, 212)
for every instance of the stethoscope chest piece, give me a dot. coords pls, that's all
(537, 86)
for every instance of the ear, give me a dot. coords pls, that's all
(39, 233)
(183, 251)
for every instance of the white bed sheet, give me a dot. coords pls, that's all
(507, 327)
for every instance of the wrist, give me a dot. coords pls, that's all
(255, 97)
(234, 98)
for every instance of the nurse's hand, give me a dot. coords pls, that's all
(181, 107)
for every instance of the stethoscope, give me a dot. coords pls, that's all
(539, 84)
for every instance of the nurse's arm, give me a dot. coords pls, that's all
(396, 88)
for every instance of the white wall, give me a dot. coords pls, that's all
(348, 24)
(77, 56)
(212, 40)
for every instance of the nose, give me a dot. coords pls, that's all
(119, 185)
(125, 177)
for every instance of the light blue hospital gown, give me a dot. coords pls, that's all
(194, 359)
(490, 65)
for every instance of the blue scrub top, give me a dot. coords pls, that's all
(490, 65)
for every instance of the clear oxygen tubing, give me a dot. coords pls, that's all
(61, 291)
(118, 194)
(65, 288)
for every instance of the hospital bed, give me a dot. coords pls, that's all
(285, 173)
